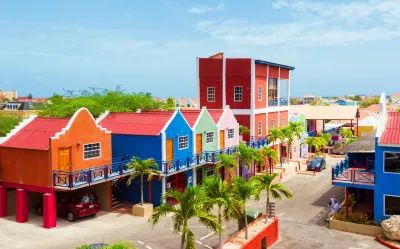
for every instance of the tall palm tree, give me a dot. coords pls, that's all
(242, 191)
(191, 205)
(218, 193)
(269, 155)
(245, 155)
(227, 162)
(276, 190)
(296, 128)
(287, 133)
(316, 142)
(141, 168)
(258, 157)
(243, 130)
(274, 135)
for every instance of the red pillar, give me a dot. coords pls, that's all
(347, 202)
(357, 127)
(351, 126)
(49, 211)
(21, 206)
(3, 201)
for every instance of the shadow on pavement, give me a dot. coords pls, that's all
(323, 200)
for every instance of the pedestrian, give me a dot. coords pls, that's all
(334, 205)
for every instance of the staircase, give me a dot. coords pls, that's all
(115, 202)
(115, 199)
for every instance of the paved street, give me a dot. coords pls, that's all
(301, 222)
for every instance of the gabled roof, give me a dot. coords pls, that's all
(36, 135)
(391, 134)
(133, 123)
(191, 116)
(216, 115)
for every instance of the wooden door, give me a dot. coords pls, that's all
(221, 139)
(170, 149)
(64, 159)
(199, 143)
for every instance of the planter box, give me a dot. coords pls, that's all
(142, 211)
(354, 228)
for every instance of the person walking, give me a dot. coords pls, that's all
(334, 205)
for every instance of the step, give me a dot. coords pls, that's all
(117, 206)
(115, 202)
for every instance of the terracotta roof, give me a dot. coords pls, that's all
(326, 112)
(132, 123)
(191, 116)
(396, 95)
(194, 101)
(391, 135)
(216, 114)
(36, 135)
(308, 95)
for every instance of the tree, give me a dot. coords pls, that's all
(326, 104)
(7, 124)
(313, 104)
(242, 191)
(316, 142)
(141, 168)
(287, 133)
(191, 205)
(29, 96)
(346, 133)
(116, 245)
(366, 103)
(274, 135)
(270, 154)
(218, 193)
(169, 104)
(258, 157)
(5, 100)
(243, 130)
(245, 155)
(276, 190)
(227, 162)
(296, 128)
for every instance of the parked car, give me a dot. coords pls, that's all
(316, 162)
(73, 206)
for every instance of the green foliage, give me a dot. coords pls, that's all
(245, 154)
(169, 104)
(316, 142)
(243, 130)
(5, 100)
(227, 161)
(7, 124)
(274, 135)
(368, 102)
(313, 104)
(270, 153)
(98, 102)
(351, 140)
(326, 104)
(346, 133)
(116, 245)
(327, 137)
(355, 217)
(191, 205)
(295, 101)
(296, 128)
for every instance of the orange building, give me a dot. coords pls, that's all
(48, 155)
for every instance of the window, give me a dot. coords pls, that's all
(183, 142)
(259, 128)
(85, 199)
(91, 151)
(283, 122)
(272, 89)
(231, 133)
(238, 93)
(209, 171)
(12, 106)
(211, 94)
(209, 137)
(272, 124)
(260, 93)
(392, 162)
(392, 205)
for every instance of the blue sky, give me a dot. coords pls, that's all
(337, 47)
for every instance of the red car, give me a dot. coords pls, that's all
(73, 207)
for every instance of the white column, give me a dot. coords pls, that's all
(164, 187)
(163, 149)
(198, 82)
(252, 97)
(279, 97)
(288, 89)
(266, 103)
(223, 82)
(194, 177)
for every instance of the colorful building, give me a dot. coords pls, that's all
(43, 156)
(298, 149)
(395, 98)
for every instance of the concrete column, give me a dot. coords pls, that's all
(288, 89)
(194, 177)
(21, 206)
(3, 201)
(49, 211)
(163, 188)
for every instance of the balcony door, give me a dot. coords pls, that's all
(221, 139)
(272, 89)
(199, 143)
(64, 159)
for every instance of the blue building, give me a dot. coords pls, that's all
(164, 136)
(371, 170)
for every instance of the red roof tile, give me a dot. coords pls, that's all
(131, 123)
(391, 135)
(36, 135)
(396, 95)
(194, 101)
(191, 116)
(216, 114)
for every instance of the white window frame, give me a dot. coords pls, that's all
(231, 133)
(384, 205)
(213, 94)
(84, 150)
(259, 128)
(272, 124)
(207, 137)
(179, 142)
(383, 163)
(241, 93)
(260, 93)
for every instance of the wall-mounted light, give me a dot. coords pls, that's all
(226, 128)
(78, 143)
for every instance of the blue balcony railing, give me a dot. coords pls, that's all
(283, 102)
(118, 167)
(273, 102)
(343, 172)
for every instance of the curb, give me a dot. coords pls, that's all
(380, 240)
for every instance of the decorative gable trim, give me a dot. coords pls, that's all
(17, 128)
(72, 120)
(223, 115)
(102, 116)
(170, 120)
(199, 117)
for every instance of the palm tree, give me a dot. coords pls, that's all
(258, 157)
(227, 162)
(266, 182)
(245, 155)
(218, 193)
(191, 205)
(296, 128)
(270, 154)
(242, 191)
(243, 130)
(316, 142)
(116, 245)
(141, 168)
(286, 132)
(274, 135)
(346, 133)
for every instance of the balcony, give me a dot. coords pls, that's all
(118, 168)
(272, 103)
(283, 102)
(356, 176)
(276, 102)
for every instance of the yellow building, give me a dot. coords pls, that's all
(10, 95)
(366, 125)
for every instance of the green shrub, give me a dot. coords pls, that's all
(356, 217)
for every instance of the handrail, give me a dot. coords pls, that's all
(343, 172)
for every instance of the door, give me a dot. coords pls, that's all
(199, 176)
(64, 159)
(264, 243)
(170, 152)
(199, 143)
(222, 139)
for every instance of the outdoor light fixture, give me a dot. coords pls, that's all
(78, 143)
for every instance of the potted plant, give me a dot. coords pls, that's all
(243, 130)
(352, 202)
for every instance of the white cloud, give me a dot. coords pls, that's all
(200, 9)
(314, 23)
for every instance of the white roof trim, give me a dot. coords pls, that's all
(170, 120)
(72, 120)
(223, 115)
(17, 128)
(102, 116)
(198, 117)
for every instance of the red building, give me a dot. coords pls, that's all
(252, 89)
